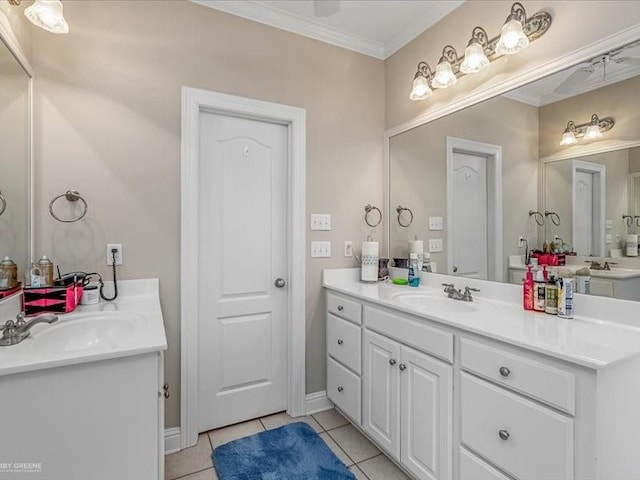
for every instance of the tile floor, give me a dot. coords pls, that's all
(359, 454)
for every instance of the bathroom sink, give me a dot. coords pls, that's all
(95, 331)
(434, 302)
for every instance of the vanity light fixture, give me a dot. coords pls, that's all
(46, 14)
(517, 32)
(591, 130)
(444, 76)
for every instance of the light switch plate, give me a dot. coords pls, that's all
(609, 238)
(320, 221)
(435, 223)
(320, 249)
(435, 245)
(608, 224)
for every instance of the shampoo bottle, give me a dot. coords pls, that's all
(528, 293)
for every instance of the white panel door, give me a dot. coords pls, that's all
(583, 214)
(426, 415)
(469, 224)
(242, 314)
(381, 391)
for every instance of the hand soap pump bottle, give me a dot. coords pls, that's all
(414, 272)
(528, 290)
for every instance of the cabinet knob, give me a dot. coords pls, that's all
(504, 434)
(392, 361)
(402, 367)
(340, 308)
(340, 388)
(340, 342)
(504, 371)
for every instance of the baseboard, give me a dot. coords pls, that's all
(317, 402)
(171, 440)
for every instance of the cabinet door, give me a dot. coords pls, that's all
(381, 417)
(426, 415)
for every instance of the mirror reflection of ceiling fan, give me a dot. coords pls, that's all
(325, 8)
(598, 67)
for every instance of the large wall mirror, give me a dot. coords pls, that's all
(15, 150)
(469, 183)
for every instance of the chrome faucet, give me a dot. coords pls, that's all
(15, 332)
(456, 294)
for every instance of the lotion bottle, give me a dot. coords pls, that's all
(539, 292)
(528, 290)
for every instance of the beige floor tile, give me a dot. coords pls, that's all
(357, 473)
(381, 468)
(189, 460)
(209, 474)
(330, 419)
(354, 443)
(344, 458)
(233, 432)
(280, 419)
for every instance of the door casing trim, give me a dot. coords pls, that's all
(195, 101)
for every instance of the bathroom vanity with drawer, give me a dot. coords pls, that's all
(484, 390)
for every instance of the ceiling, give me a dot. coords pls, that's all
(377, 28)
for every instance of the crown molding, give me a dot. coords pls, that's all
(296, 24)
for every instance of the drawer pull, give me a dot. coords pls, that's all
(392, 362)
(340, 342)
(504, 371)
(402, 367)
(340, 389)
(504, 435)
(340, 308)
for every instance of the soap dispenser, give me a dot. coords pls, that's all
(528, 290)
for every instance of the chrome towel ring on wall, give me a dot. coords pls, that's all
(71, 196)
(401, 209)
(555, 218)
(368, 209)
(539, 218)
(3, 203)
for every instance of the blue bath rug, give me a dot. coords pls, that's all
(292, 452)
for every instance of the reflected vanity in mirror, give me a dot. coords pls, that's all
(472, 177)
(15, 154)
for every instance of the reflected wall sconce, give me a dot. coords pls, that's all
(46, 14)
(517, 32)
(591, 130)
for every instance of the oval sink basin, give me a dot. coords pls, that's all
(101, 331)
(427, 301)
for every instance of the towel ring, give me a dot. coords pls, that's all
(3, 204)
(629, 220)
(539, 218)
(555, 218)
(368, 210)
(71, 196)
(637, 217)
(401, 209)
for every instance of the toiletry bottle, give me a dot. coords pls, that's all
(35, 276)
(565, 297)
(551, 297)
(540, 292)
(10, 271)
(528, 290)
(46, 271)
(414, 273)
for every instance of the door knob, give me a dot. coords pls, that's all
(280, 283)
(455, 269)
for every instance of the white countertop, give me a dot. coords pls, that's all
(590, 342)
(134, 326)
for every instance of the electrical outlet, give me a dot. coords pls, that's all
(320, 249)
(320, 221)
(118, 247)
(435, 245)
(348, 248)
(522, 242)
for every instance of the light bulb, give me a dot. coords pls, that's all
(568, 138)
(47, 14)
(421, 89)
(474, 59)
(444, 76)
(512, 38)
(593, 132)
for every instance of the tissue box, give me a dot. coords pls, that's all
(51, 299)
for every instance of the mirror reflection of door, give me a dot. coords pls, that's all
(588, 208)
